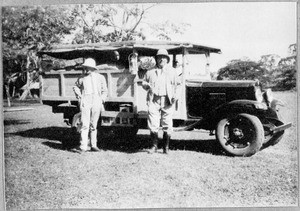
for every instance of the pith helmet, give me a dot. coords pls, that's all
(163, 53)
(90, 63)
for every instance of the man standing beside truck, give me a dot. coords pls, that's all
(91, 91)
(161, 84)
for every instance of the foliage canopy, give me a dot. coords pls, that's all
(271, 71)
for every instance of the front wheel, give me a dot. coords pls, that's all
(241, 134)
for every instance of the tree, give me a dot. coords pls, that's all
(107, 23)
(242, 70)
(284, 76)
(286, 80)
(270, 62)
(270, 70)
(27, 29)
(292, 50)
(164, 31)
(112, 23)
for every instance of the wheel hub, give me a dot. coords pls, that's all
(236, 137)
(238, 133)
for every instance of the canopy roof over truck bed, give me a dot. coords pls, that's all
(146, 48)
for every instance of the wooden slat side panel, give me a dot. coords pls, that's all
(122, 85)
(51, 85)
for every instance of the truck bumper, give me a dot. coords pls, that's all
(118, 119)
(281, 127)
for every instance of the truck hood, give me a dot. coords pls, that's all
(233, 83)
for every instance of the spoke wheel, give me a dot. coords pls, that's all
(240, 135)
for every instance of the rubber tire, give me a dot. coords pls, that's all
(118, 132)
(71, 138)
(255, 141)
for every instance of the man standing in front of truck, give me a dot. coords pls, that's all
(91, 91)
(161, 84)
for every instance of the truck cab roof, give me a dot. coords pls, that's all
(145, 48)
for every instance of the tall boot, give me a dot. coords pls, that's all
(166, 141)
(154, 139)
(94, 147)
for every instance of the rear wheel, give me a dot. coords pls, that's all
(240, 135)
(72, 136)
(122, 133)
(76, 123)
(118, 132)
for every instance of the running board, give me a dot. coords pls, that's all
(188, 127)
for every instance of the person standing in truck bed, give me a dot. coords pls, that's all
(91, 91)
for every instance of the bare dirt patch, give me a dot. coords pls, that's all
(40, 173)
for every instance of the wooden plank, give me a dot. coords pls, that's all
(182, 112)
(109, 99)
(130, 44)
(16, 109)
(62, 85)
(109, 87)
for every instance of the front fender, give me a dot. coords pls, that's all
(251, 107)
(240, 106)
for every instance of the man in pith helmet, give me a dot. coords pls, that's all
(91, 91)
(161, 84)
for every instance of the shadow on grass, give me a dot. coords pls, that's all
(64, 139)
(58, 137)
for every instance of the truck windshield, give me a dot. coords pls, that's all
(195, 67)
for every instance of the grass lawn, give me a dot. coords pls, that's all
(41, 174)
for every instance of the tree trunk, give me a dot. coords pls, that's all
(27, 88)
(8, 95)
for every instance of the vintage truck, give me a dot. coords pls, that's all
(243, 117)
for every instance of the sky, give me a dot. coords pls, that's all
(239, 29)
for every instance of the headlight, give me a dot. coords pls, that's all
(258, 94)
(271, 101)
(261, 106)
(268, 97)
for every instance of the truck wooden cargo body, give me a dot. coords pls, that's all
(204, 104)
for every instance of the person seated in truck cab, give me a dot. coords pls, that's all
(114, 60)
(178, 67)
(111, 60)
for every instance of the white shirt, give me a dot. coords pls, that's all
(92, 84)
(160, 88)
